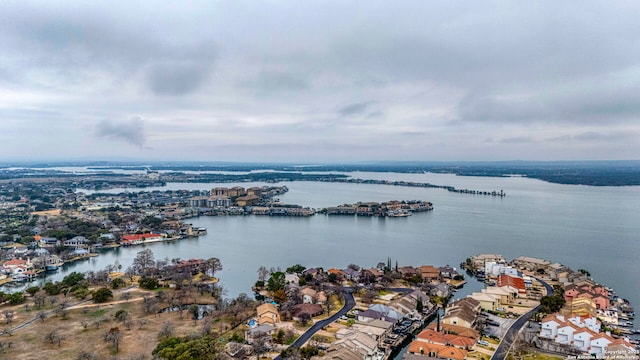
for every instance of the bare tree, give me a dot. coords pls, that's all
(141, 323)
(166, 331)
(41, 315)
(263, 272)
(213, 265)
(206, 326)
(63, 309)
(114, 336)
(143, 262)
(8, 315)
(54, 338)
(149, 305)
(260, 344)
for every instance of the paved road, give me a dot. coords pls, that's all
(349, 303)
(512, 333)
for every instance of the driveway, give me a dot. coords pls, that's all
(349, 303)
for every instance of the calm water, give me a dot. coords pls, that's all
(596, 228)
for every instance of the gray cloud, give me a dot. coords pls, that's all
(516, 140)
(354, 109)
(604, 136)
(239, 72)
(131, 131)
(277, 81)
(177, 77)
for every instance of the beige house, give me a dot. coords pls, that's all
(487, 301)
(268, 314)
(506, 294)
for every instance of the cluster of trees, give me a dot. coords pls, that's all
(145, 265)
(553, 303)
(305, 352)
(15, 298)
(195, 348)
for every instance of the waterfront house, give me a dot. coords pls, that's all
(49, 241)
(466, 303)
(247, 200)
(436, 351)
(429, 273)
(462, 312)
(387, 311)
(456, 329)
(513, 282)
(507, 294)
(442, 290)
(447, 272)
(337, 273)
(308, 295)
(369, 315)
(351, 274)
(16, 266)
(557, 271)
(478, 261)
(408, 303)
(531, 264)
(377, 329)
(460, 317)
(76, 242)
(291, 279)
(407, 272)
(341, 210)
(489, 302)
(372, 274)
(579, 307)
(218, 201)
(598, 294)
(364, 209)
(356, 346)
(268, 314)
(434, 337)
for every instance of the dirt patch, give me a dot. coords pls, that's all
(64, 335)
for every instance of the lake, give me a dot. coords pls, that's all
(595, 228)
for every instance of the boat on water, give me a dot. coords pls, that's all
(53, 263)
(399, 213)
(24, 276)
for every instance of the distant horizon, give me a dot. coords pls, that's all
(140, 162)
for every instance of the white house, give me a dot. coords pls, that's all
(582, 339)
(599, 343)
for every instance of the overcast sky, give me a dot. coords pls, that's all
(310, 81)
